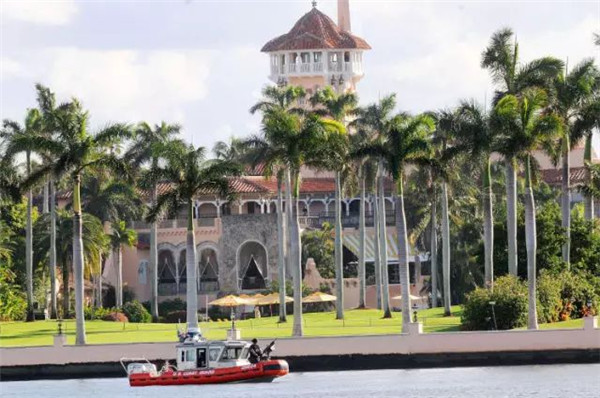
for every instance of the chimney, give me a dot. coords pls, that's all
(344, 15)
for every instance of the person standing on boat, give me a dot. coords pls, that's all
(254, 353)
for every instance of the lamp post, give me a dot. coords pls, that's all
(493, 303)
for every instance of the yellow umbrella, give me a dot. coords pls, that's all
(272, 298)
(231, 301)
(412, 297)
(318, 297)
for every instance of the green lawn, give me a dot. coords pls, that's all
(357, 322)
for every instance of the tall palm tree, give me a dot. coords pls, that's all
(190, 174)
(501, 58)
(574, 92)
(269, 150)
(22, 139)
(148, 149)
(527, 128)
(234, 150)
(405, 142)
(120, 235)
(475, 135)
(75, 151)
(337, 107)
(376, 120)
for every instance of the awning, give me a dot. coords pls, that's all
(351, 241)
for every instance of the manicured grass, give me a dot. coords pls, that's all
(356, 322)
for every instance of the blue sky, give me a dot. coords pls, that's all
(199, 62)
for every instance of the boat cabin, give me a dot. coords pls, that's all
(212, 354)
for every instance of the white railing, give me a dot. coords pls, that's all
(292, 68)
(318, 67)
(304, 68)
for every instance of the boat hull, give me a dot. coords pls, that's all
(264, 371)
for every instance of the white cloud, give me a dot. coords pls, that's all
(130, 85)
(10, 68)
(45, 12)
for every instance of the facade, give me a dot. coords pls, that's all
(237, 241)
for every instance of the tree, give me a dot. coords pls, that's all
(148, 150)
(22, 139)
(120, 235)
(336, 157)
(501, 58)
(475, 135)
(403, 143)
(75, 151)
(375, 120)
(269, 150)
(190, 174)
(574, 92)
(525, 128)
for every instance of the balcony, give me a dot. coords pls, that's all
(348, 221)
(316, 68)
(172, 289)
(178, 223)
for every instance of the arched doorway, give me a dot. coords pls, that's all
(252, 265)
(208, 266)
(167, 273)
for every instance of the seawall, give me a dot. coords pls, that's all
(410, 350)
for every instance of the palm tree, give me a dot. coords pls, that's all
(148, 149)
(525, 129)
(21, 139)
(475, 136)
(337, 107)
(269, 150)
(501, 58)
(376, 120)
(233, 150)
(95, 242)
(75, 151)
(597, 39)
(405, 142)
(574, 92)
(120, 235)
(190, 174)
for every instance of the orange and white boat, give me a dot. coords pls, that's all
(200, 361)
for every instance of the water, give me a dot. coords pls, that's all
(544, 381)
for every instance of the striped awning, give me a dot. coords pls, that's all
(351, 241)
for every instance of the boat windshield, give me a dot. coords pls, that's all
(233, 353)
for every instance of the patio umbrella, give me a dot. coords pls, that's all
(231, 301)
(318, 297)
(271, 299)
(412, 297)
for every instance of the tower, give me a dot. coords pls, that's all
(316, 52)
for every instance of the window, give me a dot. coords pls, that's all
(347, 56)
(190, 355)
(213, 353)
(231, 353)
(317, 56)
(305, 58)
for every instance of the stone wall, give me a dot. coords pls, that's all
(237, 230)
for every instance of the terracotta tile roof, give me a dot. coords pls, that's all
(554, 176)
(315, 30)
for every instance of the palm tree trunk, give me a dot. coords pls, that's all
(46, 196)
(190, 272)
(118, 258)
(587, 159)
(338, 250)
(53, 292)
(531, 243)
(403, 254)
(385, 294)
(294, 255)
(154, 265)
(66, 299)
(281, 241)
(361, 245)
(446, 249)
(29, 247)
(99, 284)
(433, 250)
(78, 263)
(565, 203)
(488, 227)
(377, 249)
(511, 218)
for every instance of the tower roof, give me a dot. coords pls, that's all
(315, 30)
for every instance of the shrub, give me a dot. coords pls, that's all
(549, 301)
(115, 317)
(167, 306)
(576, 290)
(510, 297)
(175, 317)
(136, 312)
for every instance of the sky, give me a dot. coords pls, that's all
(199, 63)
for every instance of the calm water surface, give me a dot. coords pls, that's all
(544, 381)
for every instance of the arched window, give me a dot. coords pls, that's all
(252, 265)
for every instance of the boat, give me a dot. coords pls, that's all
(200, 361)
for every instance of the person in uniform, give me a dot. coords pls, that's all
(254, 353)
